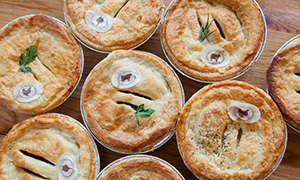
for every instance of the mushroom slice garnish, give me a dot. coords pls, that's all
(126, 77)
(67, 167)
(215, 56)
(244, 111)
(98, 21)
(28, 91)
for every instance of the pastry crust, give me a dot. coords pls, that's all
(133, 22)
(213, 146)
(32, 149)
(110, 111)
(284, 81)
(238, 28)
(57, 67)
(139, 167)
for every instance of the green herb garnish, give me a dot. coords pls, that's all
(25, 59)
(204, 29)
(140, 111)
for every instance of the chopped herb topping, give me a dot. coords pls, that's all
(25, 59)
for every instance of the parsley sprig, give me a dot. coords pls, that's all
(25, 59)
(140, 111)
(204, 33)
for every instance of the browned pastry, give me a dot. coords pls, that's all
(126, 23)
(237, 35)
(55, 71)
(47, 146)
(120, 83)
(139, 167)
(284, 81)
(231, 130)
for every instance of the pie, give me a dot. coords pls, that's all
(113, 24)
(235, 37)
(48, 146)
(55, 71)
(117, 86)
(136, 167)
(231, 130)
(283, 81)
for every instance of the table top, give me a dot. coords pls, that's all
(283, 23)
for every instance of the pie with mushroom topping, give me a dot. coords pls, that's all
(113, 93)
(108, 25)
(48, 146)
(55, 70)
(235, 36)
(231, 130)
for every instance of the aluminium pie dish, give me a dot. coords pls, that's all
(283, 81)
(55, 71)
(137, 167)
(114, 90)
(238, 35)
(231, 130)
(49, 146)
(107, 25)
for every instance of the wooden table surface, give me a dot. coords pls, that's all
(283, 22)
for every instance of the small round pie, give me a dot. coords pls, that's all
(116, 88)
(53, 74)
(107, 25)
(139, 167)
(48, 146)
(283, 77)
(231, 130)
(235, 37)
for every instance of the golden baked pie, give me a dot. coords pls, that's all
(139, 167)
(48, 146)
(108, 25)
(284, 81)
(114, 91)
(231, 130)
(54, 72)
(212, 40)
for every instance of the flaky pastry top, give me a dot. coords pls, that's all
(139, 167)
(110, 111)
(214, 146)
(133, 21)
(56, 69)
(237, 27)
(284, 81)
(32, 149)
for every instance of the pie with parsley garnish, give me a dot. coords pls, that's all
(212, 40)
